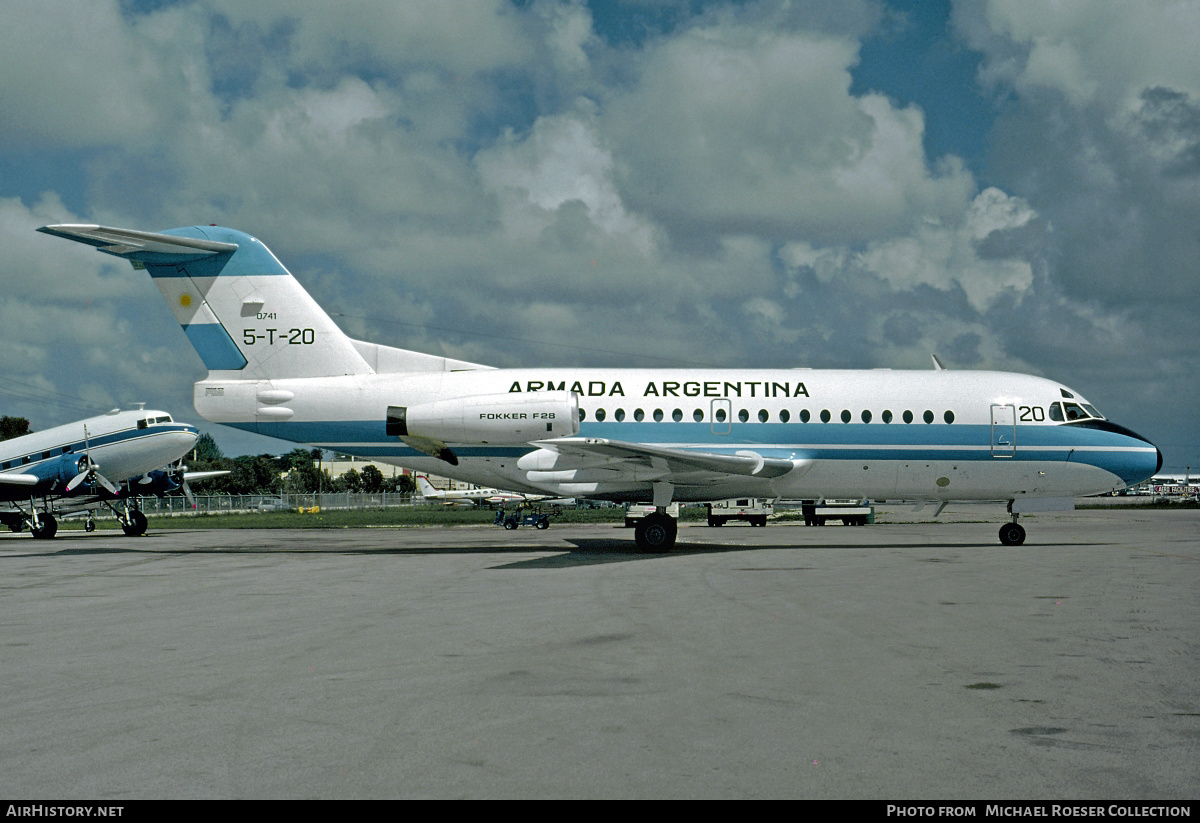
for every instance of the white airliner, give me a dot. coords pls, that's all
(475, 496)
(278, 365)
(72, 468)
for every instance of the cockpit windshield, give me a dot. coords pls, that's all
(1069, 412)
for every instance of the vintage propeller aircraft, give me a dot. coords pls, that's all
(278, 365)
(81, 466)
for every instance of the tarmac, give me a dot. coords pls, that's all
(910, 659)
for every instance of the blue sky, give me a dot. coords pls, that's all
(1011, 184)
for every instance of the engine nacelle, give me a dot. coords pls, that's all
(158, 483)
(489, 419)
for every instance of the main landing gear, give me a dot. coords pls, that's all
(656, 532)
(133, 522)
(43, 526)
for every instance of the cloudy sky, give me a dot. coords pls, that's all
(1010, 184)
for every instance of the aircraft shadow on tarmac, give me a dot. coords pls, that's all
(553, 555)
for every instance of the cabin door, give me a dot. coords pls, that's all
(1004, 430)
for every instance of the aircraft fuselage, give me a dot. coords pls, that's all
(928, 435)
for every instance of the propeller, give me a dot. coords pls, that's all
(89, 470)
(187, 491)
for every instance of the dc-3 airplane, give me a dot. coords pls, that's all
(278, 365)
(472, 496)
(67, 469)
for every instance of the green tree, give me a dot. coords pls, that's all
(403, 484)
(11, 427)
(206, 449)
(372, 479)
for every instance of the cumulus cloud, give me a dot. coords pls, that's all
(1105, 53)
(736, 129)
(561, 161)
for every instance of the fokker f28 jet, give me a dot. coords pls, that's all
(72, 468)
(278, 365)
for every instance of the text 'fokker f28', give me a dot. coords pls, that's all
(278, 365)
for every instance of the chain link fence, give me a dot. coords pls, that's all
(243, 503)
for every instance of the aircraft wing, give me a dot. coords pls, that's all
(674, 461)
(191, 476)
(15, 479)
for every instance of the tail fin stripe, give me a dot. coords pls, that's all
(215, 347)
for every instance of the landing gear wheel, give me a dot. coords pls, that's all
(136, 525)
(46, 528)
(655, 533)
(1012, 534)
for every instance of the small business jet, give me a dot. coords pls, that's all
(278, 365)
(473, 496)
(79, 467)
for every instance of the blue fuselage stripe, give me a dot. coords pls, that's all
(1119, 454)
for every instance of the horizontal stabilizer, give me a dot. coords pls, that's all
(138, 245)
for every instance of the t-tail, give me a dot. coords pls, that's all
(243, 312)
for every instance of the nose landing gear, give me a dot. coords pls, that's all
(1012, 534)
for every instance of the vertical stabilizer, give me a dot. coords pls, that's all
(243, 312)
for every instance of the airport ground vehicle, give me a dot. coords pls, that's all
(850, 512)
(753, 510)
(522, 515)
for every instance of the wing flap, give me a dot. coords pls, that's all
(676, 461)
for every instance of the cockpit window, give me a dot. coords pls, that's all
(1070, 412)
